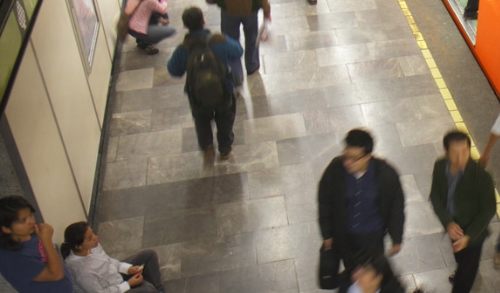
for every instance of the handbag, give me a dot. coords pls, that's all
(329, 262)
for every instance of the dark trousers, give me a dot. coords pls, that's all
(467, 266)
(230, 25)
(151, 273)
(362, 246)
(472, 6)
(224, 120)
(497, 246)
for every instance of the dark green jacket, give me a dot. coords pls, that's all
(475, 202)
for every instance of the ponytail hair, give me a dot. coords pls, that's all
(73, 237)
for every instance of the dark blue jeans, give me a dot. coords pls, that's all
(230, 25)
(224, 120)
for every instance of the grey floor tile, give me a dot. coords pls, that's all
(217, 254)
(274, 128)
(412, 159)
(360, 35)
(430, 130)
(121, 236)
(342, 54)
(272, 277)
(376, 69)
(302, 40)
(170, 261)
(355, 93)
(160, 198)
(331, 21)
(171, 118)
(248, 158)
(125, 174)
(252, 215)
(179, 226)
(149, 144)
(290, 61)
(155, 98)
(177, 167)
(130, 123)
(288, 242)
(421, 219)
(410, 189)
(419, 254)
(391, 111)
(112, 149)
(134, 80)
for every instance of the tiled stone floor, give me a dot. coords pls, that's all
(250, 224)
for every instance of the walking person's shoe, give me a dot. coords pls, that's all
(496, 261)
(312, 2)
(225, 156)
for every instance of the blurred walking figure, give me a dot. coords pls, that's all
(463, 198)
(360, 200)
(235, 13)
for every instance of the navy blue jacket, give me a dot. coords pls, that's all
(225, 49)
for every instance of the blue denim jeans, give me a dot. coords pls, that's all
(230, 25)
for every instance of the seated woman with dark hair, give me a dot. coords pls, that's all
(28, 258)
(373, 276)
(94, 271)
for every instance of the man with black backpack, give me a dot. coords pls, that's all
(209, 82)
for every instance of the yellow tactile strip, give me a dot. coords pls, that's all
(445, 93)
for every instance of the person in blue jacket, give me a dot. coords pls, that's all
(225, 49)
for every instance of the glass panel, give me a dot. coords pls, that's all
(10, 44)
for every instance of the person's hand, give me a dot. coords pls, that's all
(483, 160)
(44, 231)
(164, 21)
(454, 231)
(327, 244)
(135, 270)
(395, 249)
(136, 280)
(460, 244)
(267, 16)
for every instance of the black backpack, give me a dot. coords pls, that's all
(206, 79)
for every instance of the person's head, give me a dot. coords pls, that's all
(193, 20)
(16, 221)
(358, 150)
(374, 273)
(79, 238)
(457, 146)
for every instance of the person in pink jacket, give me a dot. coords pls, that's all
(148, 23)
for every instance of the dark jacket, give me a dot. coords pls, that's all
(224, 48)
(475, 202)
(332, 198)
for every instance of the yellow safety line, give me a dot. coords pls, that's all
(445, 93)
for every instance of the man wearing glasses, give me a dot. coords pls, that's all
(360, 200)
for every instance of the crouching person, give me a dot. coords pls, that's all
(94, 271)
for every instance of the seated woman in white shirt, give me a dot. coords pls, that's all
(93, 271)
